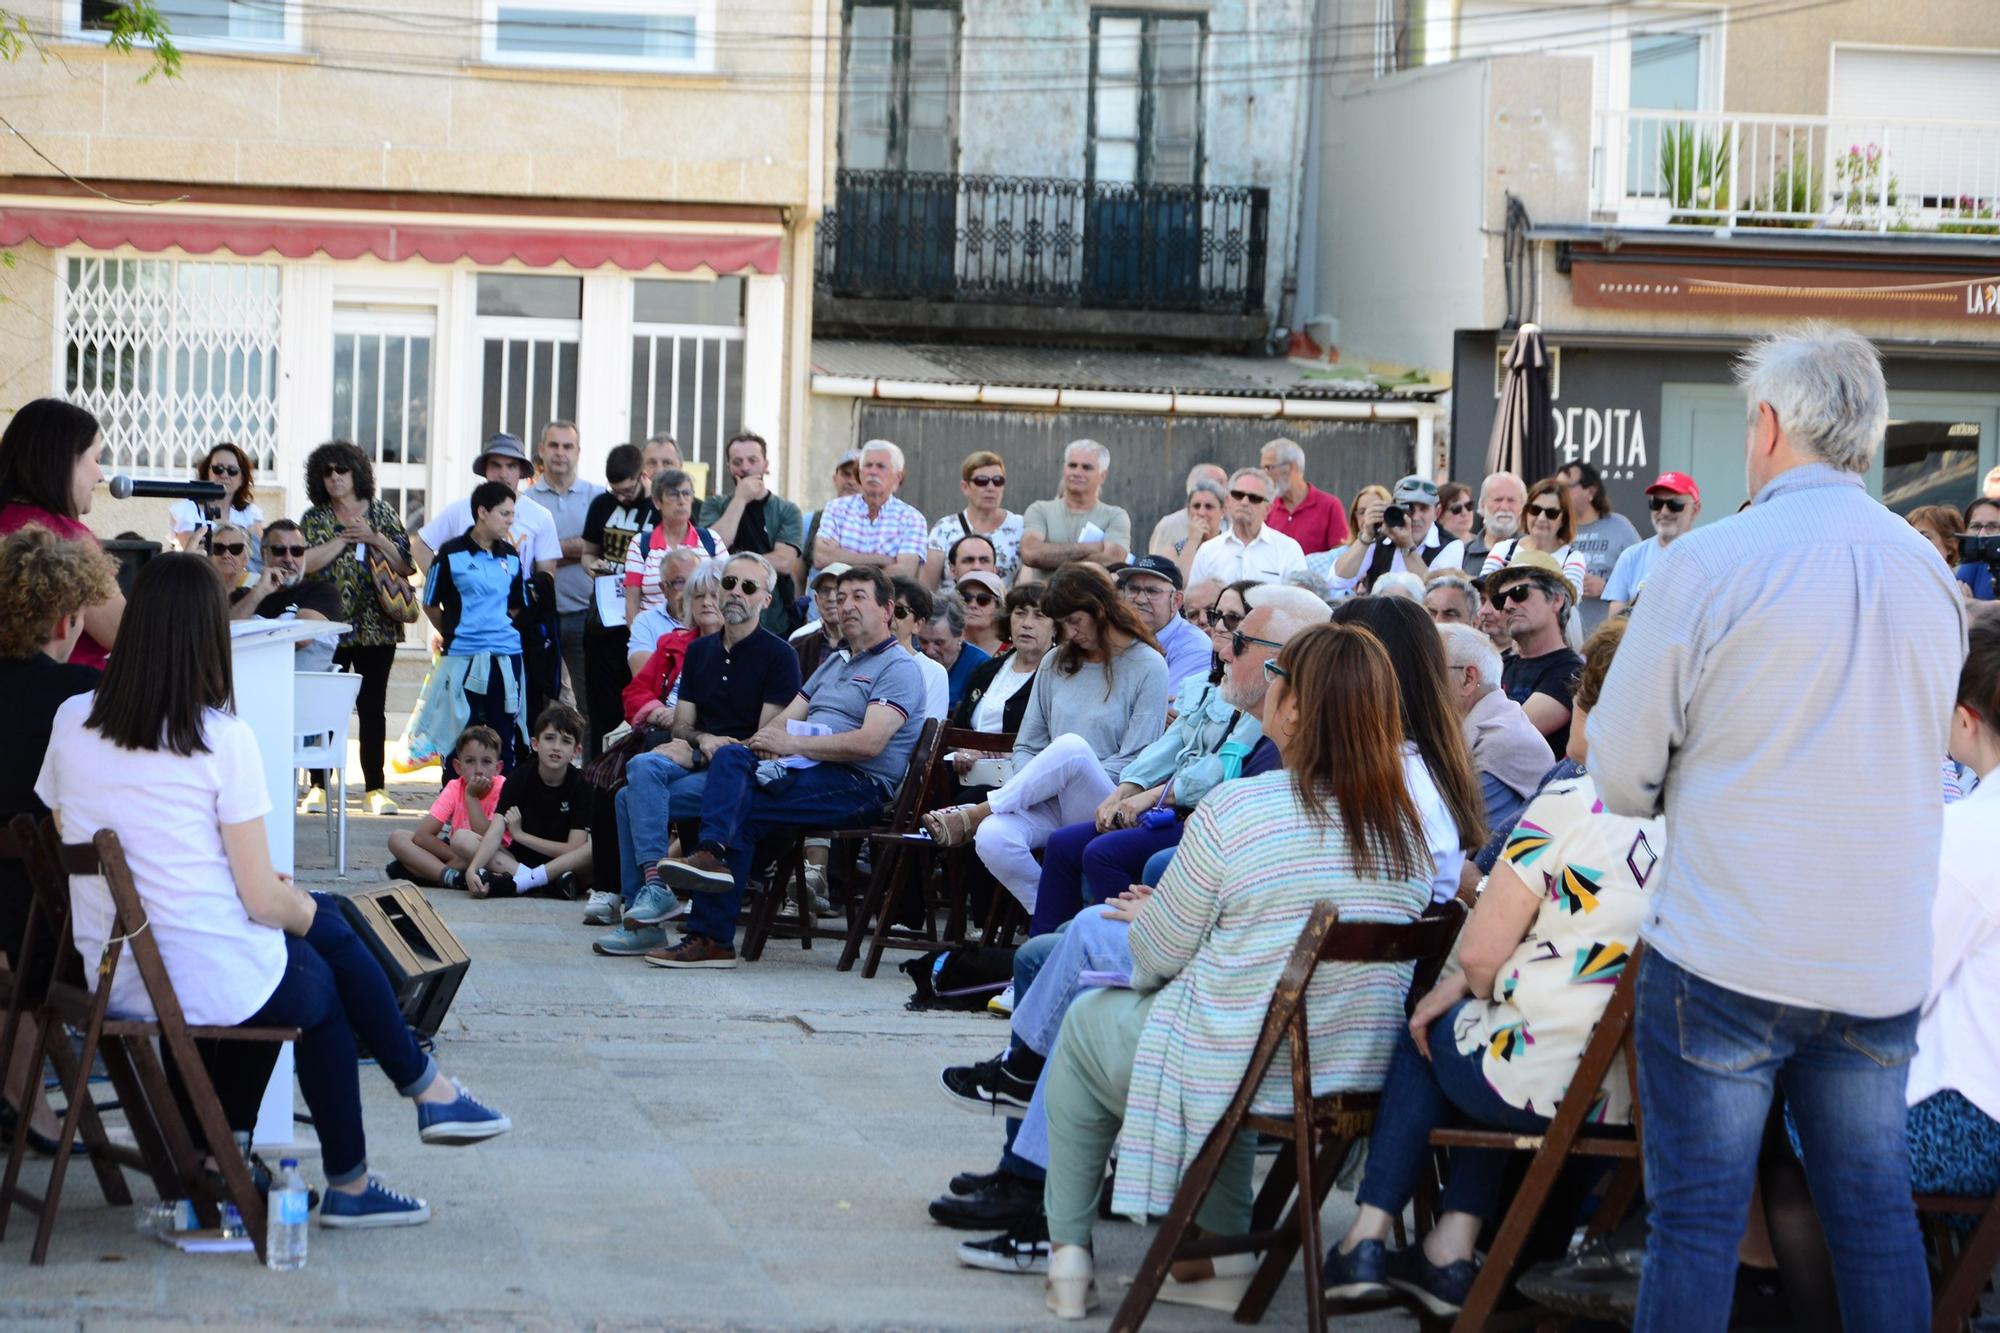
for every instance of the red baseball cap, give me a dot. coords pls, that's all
(1680, 483)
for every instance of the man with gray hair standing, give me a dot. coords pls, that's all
(1077, 524)
(1501, 498)
(1249, 548)
(873, 529)
(1302, 511)
(1793, 744)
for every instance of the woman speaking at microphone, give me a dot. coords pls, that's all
(48, 469)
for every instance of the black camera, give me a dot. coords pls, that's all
(1979, 548)
(1394, 517)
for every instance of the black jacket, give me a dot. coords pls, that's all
(975, 689)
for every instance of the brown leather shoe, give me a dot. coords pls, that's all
(704, 872)
(693, 951)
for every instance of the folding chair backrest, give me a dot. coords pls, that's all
(104, 855)
(915, 783)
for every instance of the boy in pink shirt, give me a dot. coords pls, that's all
(466, 802)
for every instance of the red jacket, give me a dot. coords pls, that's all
(655, 678)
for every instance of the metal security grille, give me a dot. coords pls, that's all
(382, 401)
(172, 355)
(687, 380)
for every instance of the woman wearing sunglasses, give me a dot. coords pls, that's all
(1456, 511)
(1546, 528)
(228, 467)
(982, 479)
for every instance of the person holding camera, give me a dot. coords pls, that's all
(1979, 549)
(1400, 535)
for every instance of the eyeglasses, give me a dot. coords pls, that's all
(684, 493)
(224, 470)
(1147, 591)
(1542, 511)
(338, 469)
(1518, 594)
(1659, 502)
(1462, 507)
(295, 552)
(750, 587)
(1239, 639)
(980, 599)
(227, 548)
(904, 612)
(1250, 497)
(1983, 528)
(1272, 671)
(986, 481)
(1229, 620)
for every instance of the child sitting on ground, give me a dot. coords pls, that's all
(465, 805)
(540, 832)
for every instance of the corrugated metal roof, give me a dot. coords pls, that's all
(1091, 368)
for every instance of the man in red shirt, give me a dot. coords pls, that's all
(1305, 513)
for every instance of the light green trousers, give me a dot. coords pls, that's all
(1084, 1090)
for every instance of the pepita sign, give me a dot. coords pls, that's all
(1613, 439)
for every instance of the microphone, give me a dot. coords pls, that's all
(125, 488)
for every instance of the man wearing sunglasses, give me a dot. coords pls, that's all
(282, 591)
(1535, 601)
(1249, 548)
(910, 612)
(1415, 545)
(1676, 503)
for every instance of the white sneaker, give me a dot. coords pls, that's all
(603, 909)
(315, 802)
(1003, 1003)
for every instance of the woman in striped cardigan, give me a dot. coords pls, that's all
(1151, 1068)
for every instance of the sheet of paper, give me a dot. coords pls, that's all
(609, 590)
(1090, 532)
(796, 727)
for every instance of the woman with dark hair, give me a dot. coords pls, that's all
(1437, 761)
(1225, 613)
(45, 583)
(1152, 1067)
(229, 467)
(1546, 527)
(49, 467)
(349, 533)
(1100, 697)
(1456, 512)
(1496, 1042)
(156, 756)
(474, 595)
(996, 698)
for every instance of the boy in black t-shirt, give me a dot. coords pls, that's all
(545, 813)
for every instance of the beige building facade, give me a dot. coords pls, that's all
(413, 225)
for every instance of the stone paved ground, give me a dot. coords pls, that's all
(748, 1149)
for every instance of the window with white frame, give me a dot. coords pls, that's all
(668, 36)
(172, 355)
(530, 332)
(258, 24)
(687, 363)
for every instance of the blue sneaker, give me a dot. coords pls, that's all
(1357, 1275)
(1440, 1290)
(379, 1206)
(460, 1121)
(624, 943)
(655, 906)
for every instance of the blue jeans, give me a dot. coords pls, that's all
(1081, 866)
(1028, 960)
(332, 989)
(1156, 866)
(1709, 1061)
(736, 814)
(1422, 1095)
(657, 791)
(489, 708)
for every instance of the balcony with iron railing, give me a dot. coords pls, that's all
(1721, 171)
(995, 255)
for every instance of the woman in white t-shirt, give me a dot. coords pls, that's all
(155, 756)
(228, 467)
(1547, 528)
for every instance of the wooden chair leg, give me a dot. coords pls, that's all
(1302, 1147)
(764, 911)
(75, 1073)
(1285, 1233)
(139, 1118)
(803, 897)
(177, 1143)
(860, 914)
(888, 864)
(1957, 1298)
(1152, 1274)
(1522, 1213)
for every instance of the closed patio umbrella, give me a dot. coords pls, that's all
(1524, 441)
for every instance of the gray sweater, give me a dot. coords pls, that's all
(1116, 724)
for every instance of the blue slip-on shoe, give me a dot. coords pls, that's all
(1440, 1290)
(378, 1206)
(1358, 1275)
(655, 906)
(462, 1120)
(623, 943)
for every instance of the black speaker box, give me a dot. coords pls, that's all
(424, 960)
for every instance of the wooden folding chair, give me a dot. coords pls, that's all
(1554, 1147)
(907, 859)
(1321, 1130)
(1966, 1263)
(166, 1148)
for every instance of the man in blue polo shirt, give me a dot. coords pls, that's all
(871, 698)
(731, 684)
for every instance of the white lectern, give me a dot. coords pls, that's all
(262, 652)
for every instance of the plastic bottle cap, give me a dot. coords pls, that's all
(284, 1162)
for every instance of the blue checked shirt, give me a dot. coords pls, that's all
(1784, 694)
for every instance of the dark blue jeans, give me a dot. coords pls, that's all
(657, 791)
(1081, 866)
(736, 814)
(1422, 1095)
(332, 989)
(1709, 1061)
(490, 708)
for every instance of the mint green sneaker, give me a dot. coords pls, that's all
(623, 943)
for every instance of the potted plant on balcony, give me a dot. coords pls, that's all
(1972, 217)
(1869, 194)
(1694, 171)
(1793, 197)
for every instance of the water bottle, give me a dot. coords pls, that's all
(285, 1227)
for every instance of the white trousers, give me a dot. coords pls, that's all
(1062, 785)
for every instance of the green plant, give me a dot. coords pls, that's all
(1694, 172)
(1870, 195)
(1970, 218)
(1795, 191)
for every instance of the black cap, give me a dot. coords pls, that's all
(1156, 565)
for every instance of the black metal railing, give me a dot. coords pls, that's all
(1032, 240)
